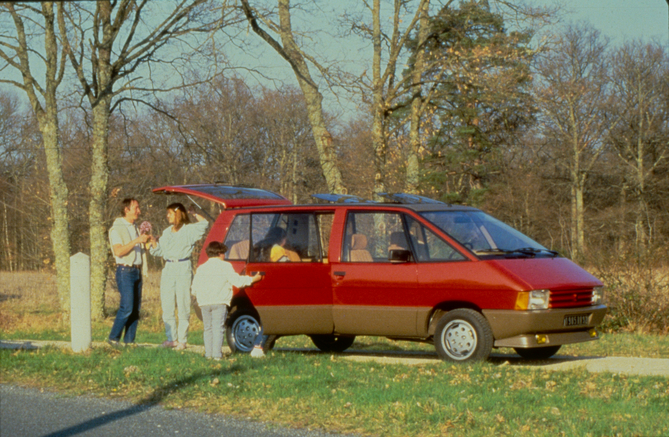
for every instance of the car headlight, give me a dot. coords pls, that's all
(533, 300)
(598, 295)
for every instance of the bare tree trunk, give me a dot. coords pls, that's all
(47, 119)
(379, 144)
(413, 167)
(314, 99)
(641, 214)
(96, 210)
(577, 183)
(100, 164)
(60, 238)
(577, 209)
(580, 220)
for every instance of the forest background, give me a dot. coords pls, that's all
(551, 128)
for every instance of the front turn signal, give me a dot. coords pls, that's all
(532, 300)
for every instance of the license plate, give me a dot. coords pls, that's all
(577, 320)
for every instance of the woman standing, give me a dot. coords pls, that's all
(176, 246)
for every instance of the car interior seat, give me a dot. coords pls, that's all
(359, 252)
(239, 250)
(398, 241)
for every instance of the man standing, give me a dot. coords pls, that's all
(127, 247)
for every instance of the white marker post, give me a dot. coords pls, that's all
(80, 302)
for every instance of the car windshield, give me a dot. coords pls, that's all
(485, 235)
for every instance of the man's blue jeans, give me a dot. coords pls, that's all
(129, 282)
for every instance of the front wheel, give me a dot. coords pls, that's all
(463, 335)
(332, 343)
(242, 329)
(537, 353)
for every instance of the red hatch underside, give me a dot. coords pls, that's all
(229, 197)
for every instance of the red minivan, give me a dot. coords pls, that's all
(409, 268)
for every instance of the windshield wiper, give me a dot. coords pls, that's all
(529, 251)
(532, 250)
(492, 251)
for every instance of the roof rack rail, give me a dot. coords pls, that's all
(405, 198)
(340, 198)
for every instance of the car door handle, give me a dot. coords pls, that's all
(260, 273)
(342, 274)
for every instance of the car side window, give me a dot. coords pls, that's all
(370, 236)
(285, 238)
(429, 246)
(237, 239)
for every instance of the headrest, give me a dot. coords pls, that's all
(398, 239)
(358, 242)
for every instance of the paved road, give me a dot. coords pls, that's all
(624, 365)
(28, 412)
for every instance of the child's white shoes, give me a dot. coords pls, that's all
(257, 352)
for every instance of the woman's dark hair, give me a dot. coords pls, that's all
(275, 235)
(214, 249)
(180, 215)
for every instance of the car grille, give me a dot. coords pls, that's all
(571, 298)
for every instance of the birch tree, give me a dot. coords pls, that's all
(641, 136)
(113, 47)
(573, 95)
(24, 25)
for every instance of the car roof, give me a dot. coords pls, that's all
(246, 197)
(364, 206)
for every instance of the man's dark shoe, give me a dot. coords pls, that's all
(114, 343)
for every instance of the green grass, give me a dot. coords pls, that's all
(612, 345)
(327, 391)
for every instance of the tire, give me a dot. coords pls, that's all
(537, 353)
(463, 335)
(332, 343)
(241, 330)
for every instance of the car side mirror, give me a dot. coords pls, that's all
(399, 256)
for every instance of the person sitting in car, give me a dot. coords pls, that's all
(273, 247)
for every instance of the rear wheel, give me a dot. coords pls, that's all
(537, 353)
(463, 335)
(332, 343)
(242, 329)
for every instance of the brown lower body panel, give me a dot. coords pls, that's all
(296, 319)
(552, 339)
(375, 320)
(512, 328)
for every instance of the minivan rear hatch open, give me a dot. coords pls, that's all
(227, 196)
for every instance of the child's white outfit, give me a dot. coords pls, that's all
(212, 287)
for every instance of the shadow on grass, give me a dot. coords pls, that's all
(148, 402)
(496, 358)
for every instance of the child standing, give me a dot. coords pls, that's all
(212, 287)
